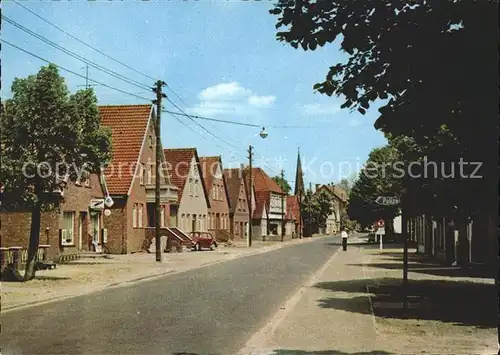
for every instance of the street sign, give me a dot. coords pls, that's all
(97, 204)
(387, 200)
(380, 223)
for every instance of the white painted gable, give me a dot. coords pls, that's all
(218, 172)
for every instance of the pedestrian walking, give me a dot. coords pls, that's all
(344, 236)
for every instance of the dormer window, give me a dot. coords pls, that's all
(150, 142)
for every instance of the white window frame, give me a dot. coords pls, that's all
(140, 217)
(68, 231)
(141, 175)
(134, 215)
(150, 174)
(196, 187)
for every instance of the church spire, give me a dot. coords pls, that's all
(299, 177)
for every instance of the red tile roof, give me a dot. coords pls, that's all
(179, 162)
(263, 182)
(261, 202)
(209, 167)
(128, 124)
(293, 208)
(233, 182)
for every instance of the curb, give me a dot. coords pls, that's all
(155, 276)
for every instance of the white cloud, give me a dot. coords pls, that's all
(261, 100)
(320, 109)
(230, 99)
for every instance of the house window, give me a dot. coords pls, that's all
(196, 187)
(69, 227)
(190, 187)
(134, 216)
(150, 174)
(141, 174)
(150, 142)
(140, 216)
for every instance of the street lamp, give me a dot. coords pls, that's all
(263, 134)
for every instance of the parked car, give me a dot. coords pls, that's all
(202, 240)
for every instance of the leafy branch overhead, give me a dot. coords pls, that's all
(430, 64)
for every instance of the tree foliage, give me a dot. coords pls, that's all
(380, 177)
(434, 63)
(283, 183)
(49, 138)
(315, 210)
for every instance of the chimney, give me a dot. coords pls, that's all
(317, 186)
(242, 166)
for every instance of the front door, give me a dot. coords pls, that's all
(173, 215)
(94, 228)
(193, 226)
(81, 223)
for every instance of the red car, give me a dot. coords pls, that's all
(202, 240)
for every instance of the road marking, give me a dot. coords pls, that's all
(260, 339)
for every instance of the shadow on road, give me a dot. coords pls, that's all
(462, 303)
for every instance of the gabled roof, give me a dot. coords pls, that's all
(234, 178)
(129, 125)
(336, 191)
(209, 168)
(293, 207)
(261, 202)
(179, 162)
(262, 181)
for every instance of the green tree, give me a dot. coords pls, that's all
(47, 135)
(283, 183)
(417, 57)
(380, 177)
(315, 210)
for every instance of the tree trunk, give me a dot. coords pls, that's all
(34, 241)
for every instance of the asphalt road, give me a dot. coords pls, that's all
(212, 310)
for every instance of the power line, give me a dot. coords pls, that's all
(72, 72)
(82, 42)
(201, 126)
(182, 113)
(75, 55)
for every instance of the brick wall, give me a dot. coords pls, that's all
(116, 226)
(16, 226)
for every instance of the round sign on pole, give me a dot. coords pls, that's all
(107, 212)
(380, 223)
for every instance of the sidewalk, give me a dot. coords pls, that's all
(89, 275)
(336, 315)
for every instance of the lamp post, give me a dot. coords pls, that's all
(263, 134)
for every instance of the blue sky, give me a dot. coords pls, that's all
(222, 59)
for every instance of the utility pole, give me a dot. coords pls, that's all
(159, 96)
(404, 230)
(250, 156)
(282, 205)
(87, 85)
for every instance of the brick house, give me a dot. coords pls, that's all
(187, 176)
(238, 203)
(76, 226)
(215, 182)
(339, 206)
(130, 177)
(268, 198)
